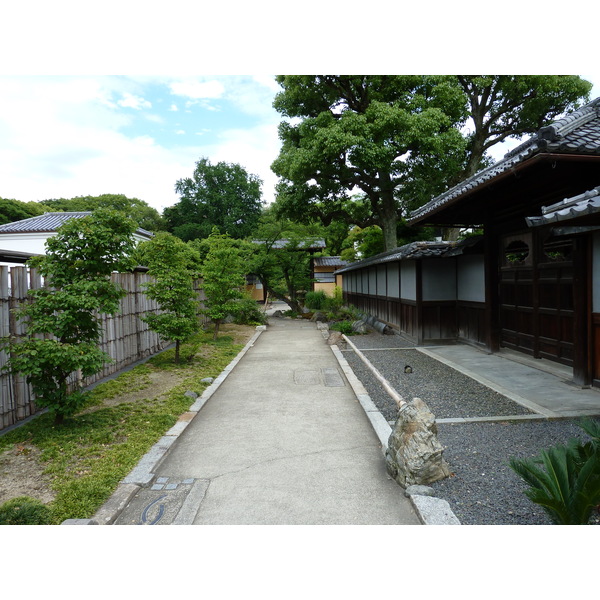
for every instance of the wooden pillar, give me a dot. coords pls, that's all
(492, 304)
(419, 301)
(582, 352)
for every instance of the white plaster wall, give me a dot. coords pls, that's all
(381, 281)
(471, 279)
(393, 275)
(408, 280)
(439, 279)
(372, 281)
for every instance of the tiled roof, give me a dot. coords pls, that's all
(578, 206)
(330, 261)
(50, 222)
(577, 133)
(416, 250)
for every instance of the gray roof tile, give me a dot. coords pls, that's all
(576, 133)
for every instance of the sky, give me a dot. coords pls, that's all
(66, 136)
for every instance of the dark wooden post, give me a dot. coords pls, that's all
(492, 305)
(582, 372)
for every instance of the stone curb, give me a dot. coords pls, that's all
(430, 510)
(143, 472)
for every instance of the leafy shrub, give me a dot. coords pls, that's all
(316, 300)
(565, 479)
(248, 312)
(344, 327)
(24, 511)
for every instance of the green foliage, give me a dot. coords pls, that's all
(565, 479)
(63, 320)
(344, 327)
(503, 106)
(222, 195)
(24, 511)
(137, 210)
(223, 278)
(15, 210)
(279, 257)
(316, 300)
(248, 312)
(369, 132)
(173, 265)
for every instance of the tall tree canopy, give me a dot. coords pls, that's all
(366, 133)
(223, 195)
(503, 106)
(399, 139)
(137, 210)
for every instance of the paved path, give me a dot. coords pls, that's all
(283, 440)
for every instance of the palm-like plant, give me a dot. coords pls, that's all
(565, 479)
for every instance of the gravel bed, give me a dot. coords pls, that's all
(483, 489)
(448, 393)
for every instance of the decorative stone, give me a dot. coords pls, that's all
(191, 394)
(319, 317)
(335, 338)
(414, 453)
(207, 380)
(360, 326)
(277, 314)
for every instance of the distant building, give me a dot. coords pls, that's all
(23, 239)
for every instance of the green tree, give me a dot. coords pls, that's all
(223, 277)
(15, 210)
(63, 320)
(222, 195)
(173, 266)
(511, 106)
(365, 133)
(137, 210)
(280, 258)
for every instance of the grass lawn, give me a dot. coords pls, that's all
(83, 460)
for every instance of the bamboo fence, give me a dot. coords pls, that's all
(125, 338)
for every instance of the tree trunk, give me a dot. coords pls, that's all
(216, 332)
(388, 221)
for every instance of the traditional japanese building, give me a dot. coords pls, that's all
(532, 282)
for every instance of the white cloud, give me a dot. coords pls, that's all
(130, 101)
(64, 137)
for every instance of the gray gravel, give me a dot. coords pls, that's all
(483, 490)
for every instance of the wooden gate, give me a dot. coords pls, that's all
(536, 284)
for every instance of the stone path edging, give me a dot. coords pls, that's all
(431, 510)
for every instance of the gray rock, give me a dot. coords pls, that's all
(335, 338)
(319, 317)
(191, 394)
(419, 490)
(277, 314)
(360, 326)
(414, 454)
(207, 380)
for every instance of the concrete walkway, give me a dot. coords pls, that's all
(283, 440)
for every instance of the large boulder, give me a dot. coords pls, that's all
(414, 454)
